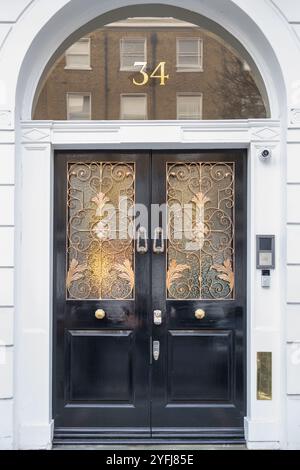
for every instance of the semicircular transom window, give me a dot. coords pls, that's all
(151, 69)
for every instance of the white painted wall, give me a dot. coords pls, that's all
(293, 292)
(20, 23)
(7, 180)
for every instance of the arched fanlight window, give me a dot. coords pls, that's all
(151, 68)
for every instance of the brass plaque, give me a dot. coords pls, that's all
(264, 376)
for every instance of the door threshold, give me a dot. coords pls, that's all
(148, 442)
(149, 447)
(99, 436)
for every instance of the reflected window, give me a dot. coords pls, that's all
(133, 107)
(79, 106)
(78, 56)
(189, 106)
(132, 50)
(142, 68)
(189, 55)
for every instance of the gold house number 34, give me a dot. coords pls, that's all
(158, 73)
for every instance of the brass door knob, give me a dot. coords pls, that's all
(200, 314)
(100, 314)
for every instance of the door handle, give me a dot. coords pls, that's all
(156, 350)
(158, 242)
(200, 314)
(100, 314)
(142, 241)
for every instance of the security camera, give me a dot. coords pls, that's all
(265, 155)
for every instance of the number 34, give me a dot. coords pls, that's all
(158, 72)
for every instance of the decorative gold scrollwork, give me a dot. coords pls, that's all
(200, 248)
(100, 241)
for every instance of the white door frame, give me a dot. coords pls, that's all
(266, 214)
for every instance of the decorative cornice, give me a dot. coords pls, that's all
(237, 132)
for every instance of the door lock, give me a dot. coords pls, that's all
(156, 348)
(157, 317)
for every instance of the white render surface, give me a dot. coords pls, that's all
(293, 323)
(6, 413)
(6, 326)
(293, 368)
(6, 246)
(289, 8)
(270, 30)
(7, 205)
(7, 164)
(293, 245)
(293, 206)
(293, 164)
(6, 374)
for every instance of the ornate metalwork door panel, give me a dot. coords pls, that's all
(199, 285)
(149, 331)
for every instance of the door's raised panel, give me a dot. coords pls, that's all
(199, 365)
(119, 314)
(100, 366)
(219, 315)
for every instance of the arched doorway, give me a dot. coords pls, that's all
(192, 323)
(183, 137)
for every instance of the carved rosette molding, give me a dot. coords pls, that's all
(5, 119)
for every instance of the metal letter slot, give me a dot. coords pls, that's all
(158, 242)
(157, 317)
(142, 241)
(156, 347)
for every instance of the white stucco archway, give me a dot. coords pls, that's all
(38, 41)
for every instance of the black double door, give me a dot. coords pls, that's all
(149, 295)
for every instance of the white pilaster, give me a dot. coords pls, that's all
(33, 302)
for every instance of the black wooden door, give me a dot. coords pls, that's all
(120, 371)
(199, 285)
(102, 297)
